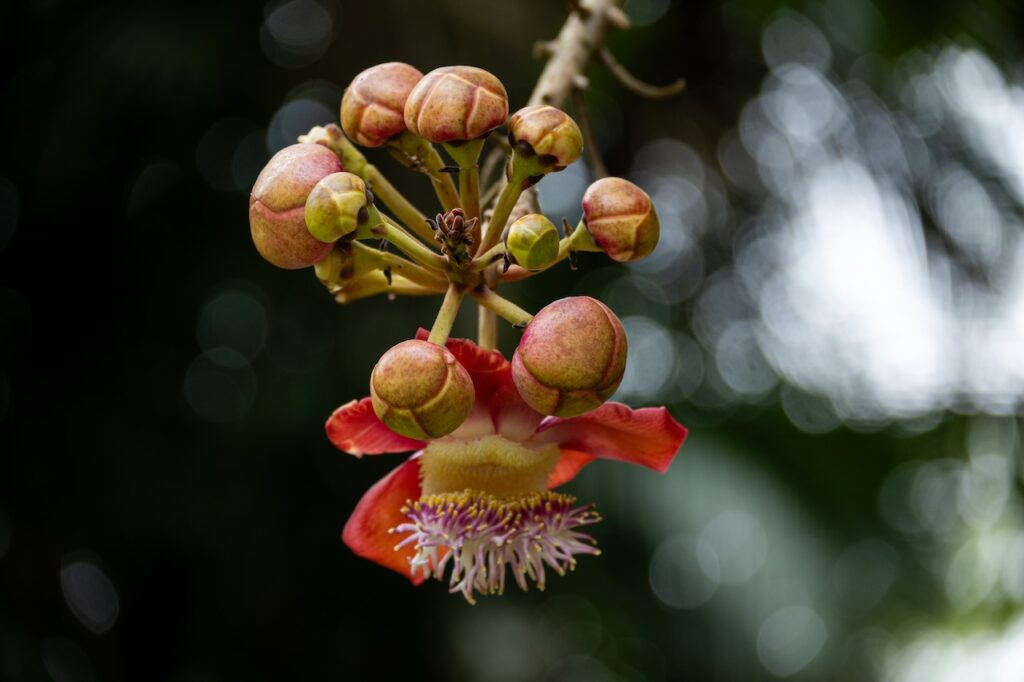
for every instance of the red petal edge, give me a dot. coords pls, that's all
(366, 531)
(648, 436)
(489, 368)
(570, 462)
(354, 428)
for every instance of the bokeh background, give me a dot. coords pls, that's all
(836, 311)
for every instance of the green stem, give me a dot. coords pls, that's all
(488, 258)
(392, 232)
(469, 192)
(467, 156)
(446, 315)
(414, 272)
(487, 329)
(373, 283)
(408, 214)
(416, 153)
(487, 321)
(503, 307)
(521, 170)
(443, 184)
(502, 210)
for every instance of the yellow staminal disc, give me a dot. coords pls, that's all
(491, 464)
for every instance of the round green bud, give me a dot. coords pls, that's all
(621, 219)
(277, 205)
(420, 390)
(532, 242)
(548, 132)
(373, 106)
(456, 104)
(571, 358)
(336, 207)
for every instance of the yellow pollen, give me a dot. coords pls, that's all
(509, 507)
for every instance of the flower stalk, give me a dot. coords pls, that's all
(385, 228)
(446, 315)
(418, 154)
(501, 306)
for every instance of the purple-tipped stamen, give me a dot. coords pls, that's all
(481, 535)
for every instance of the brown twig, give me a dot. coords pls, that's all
(634, 84)
(570, 53)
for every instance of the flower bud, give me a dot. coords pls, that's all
(550, 133)
(621, 219)
(571, 357)
(336, 207)
(277, 205)
(373, 106)
(456, 104)
(532, 242)
(348, 261)
(420, 390)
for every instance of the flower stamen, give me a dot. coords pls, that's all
(481, 535)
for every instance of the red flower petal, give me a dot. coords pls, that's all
(569, 464)
(513, 418)
(354, 428)
(648, 436)
(492, 381)
(489, 368)
(366, 531)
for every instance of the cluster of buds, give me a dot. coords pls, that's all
(307, 209)
(316, 204)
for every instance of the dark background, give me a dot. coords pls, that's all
(169, 506)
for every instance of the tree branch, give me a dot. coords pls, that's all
(634, 84)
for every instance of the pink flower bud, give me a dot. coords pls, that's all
(456, 104)
(373, 106)
(277, 205)
(571, 357)
(550, 133)
(420, 390)
(621, 219)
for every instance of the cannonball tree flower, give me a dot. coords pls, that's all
(420, 390)
(547, 132)
(336, 207)
(619, 219)
(480, 503)
(456, 104)
(373, 106)
(277, 213)
(532, 242)
(571, 358)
